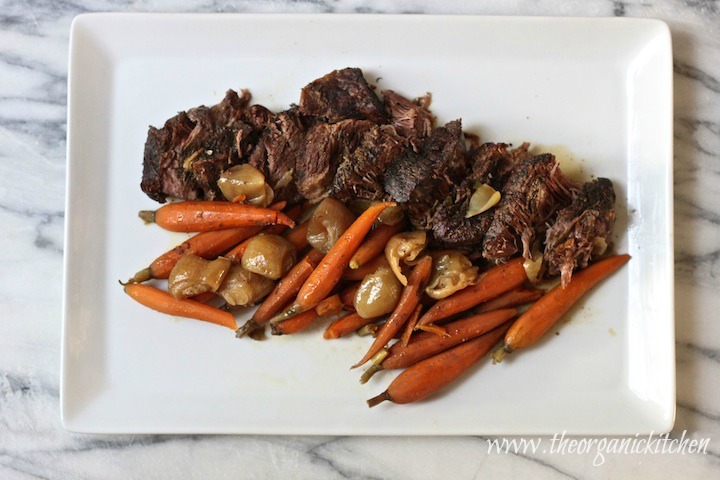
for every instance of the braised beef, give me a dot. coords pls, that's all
(581, 230)
(488, 164)
(185, 157)
(361, 172)
(325, 146)
(341, 95)
(535, 190)
(412, 120)
(422, 179)
(278, 152)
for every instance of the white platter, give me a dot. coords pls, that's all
(598, 88)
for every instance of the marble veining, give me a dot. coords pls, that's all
(33, 83)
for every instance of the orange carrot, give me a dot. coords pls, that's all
(164, 302)
(367, 268)
(410, 326)
(426, 344)
(207, 245)
(330, 306)
(328, 273)
(430, 375)
(513, 298)
(202, 216)
(298, 236)
(375, 243)
(283, 293)
(543, 314)
(347, 295)
(347, 324)
(409, 300)
(497, 280)
(294, 324)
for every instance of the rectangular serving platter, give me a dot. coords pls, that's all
(597, 92)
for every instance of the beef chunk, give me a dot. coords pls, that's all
(325, 146)
(421, 179)
(362, 171)
(535, 190)
(185, 158)
(278, 153)
(490, 164)
(581, 230)
(412, 119)
(341, 95)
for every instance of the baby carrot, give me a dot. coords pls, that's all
(164, 302)
(430, 375)
(347, 324)
(298, 236)
(207, 245)
(538, 319)
(409, 300)
(236, 253)
(328, 273)
(410, 326)
(426, 344)
(513, 298)
(347, 295)
(202, 216)
(497, 280)
(294, 324)
(375, 243)
(286, 288)
(330, 306)
(365, 269)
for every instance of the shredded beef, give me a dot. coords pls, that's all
(582, 229)
(535, 190)
(421, 180)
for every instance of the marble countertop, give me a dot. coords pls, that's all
(33, 83)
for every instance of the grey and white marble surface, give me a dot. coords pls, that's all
(33, 82)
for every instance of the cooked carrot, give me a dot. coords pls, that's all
(236, 253)
(202, 216)
(409, 300)
(164, 302)
(497, 280)
(330, 306)
(410, 326)
(328, 273)
(538, 319)
(425, 344)
(207, 245)
(347, 324)
(367, 268)
(294, 324)
(430, 375)
(298, 236)
(513, 298)
(283, 293)
(347, 295)
(375, 243)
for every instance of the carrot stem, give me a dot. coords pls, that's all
(294, 324)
